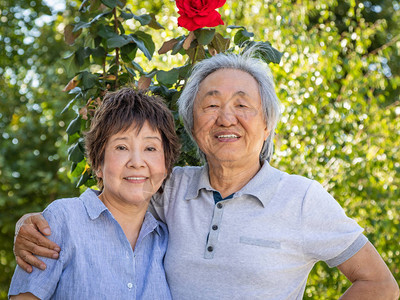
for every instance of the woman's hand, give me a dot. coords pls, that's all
(29, 241)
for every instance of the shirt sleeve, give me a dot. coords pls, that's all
(160, 202)
(328, 234)
(43, 284)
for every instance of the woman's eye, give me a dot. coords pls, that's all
(121, 148)
(151, 149)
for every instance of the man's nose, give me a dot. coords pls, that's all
(226, 117)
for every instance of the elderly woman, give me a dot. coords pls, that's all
(132, 145)
(239, 228)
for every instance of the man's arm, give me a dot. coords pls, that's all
(29, 240)
(24, 296)
(370, 276)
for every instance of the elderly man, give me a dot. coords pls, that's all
(239, 228)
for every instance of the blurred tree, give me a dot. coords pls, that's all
(32, 149)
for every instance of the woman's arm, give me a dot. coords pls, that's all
(24, 296)
(30, 240)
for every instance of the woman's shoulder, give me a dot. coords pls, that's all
(69, 208)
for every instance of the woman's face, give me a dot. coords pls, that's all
(228, 120)
(134, 166)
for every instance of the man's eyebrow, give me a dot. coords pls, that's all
(212, 93)
(241, 93)
(217, 93)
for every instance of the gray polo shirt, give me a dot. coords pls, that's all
(260, 244)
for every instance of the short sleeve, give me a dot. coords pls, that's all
(328, 234)
(43, 284)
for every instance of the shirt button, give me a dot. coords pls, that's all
(219, 205)
(210, 248)
(130, 285)
(214, 227)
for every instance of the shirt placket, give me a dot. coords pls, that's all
(212, 241)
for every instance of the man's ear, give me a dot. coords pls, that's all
(266, 133)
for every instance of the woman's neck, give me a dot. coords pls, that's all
(129, 217)
(229, 177)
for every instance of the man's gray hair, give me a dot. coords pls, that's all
(249, 63)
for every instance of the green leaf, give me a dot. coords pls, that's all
(184, 70)
(154, 24)
(148, 41)
(168, 77)
(266, 52)
(74, 126)
(79, 167)
(151, 73)
(137, 67)
(80, 25)
(117, 42)
(128, 52)
(204, 36)
(142, 45)
(241, 36)
(220, 43)
(106, 32)
(81, 8)
(82, 54)
(178, 46)
(131, 71)
(89, 80)
(72, 101)
(99, 52)
(96, 18)
(83, 179)
(94, 5)
(110, 3)
(70, 65)
(234, 26)
(143, 19)
(126, 16)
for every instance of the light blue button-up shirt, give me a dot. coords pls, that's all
(96, 259)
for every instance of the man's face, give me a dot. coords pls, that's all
(228, 120)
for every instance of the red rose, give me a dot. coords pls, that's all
(195, 14)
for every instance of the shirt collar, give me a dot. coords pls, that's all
(199, 182)
(95, 207)
(262, 186)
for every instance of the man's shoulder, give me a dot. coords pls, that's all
(180, 174)
(179, 171)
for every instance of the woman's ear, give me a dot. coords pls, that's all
(99, 173)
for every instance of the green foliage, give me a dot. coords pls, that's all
(105, 44)
(337, 73)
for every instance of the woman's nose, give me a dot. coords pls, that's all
(136, 159)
